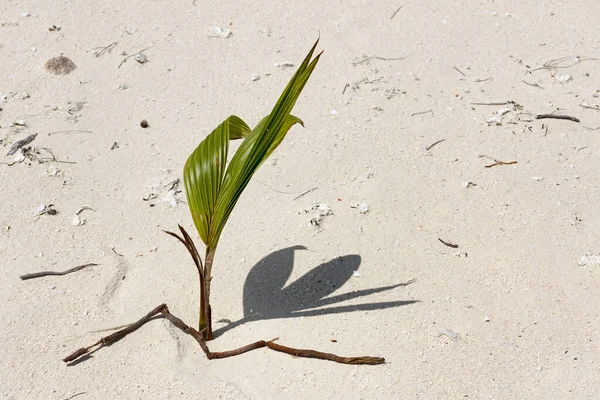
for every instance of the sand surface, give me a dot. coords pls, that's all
(512, 313)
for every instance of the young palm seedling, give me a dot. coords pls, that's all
(213, 189)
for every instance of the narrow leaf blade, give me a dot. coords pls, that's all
(204, 170)
(258, 146)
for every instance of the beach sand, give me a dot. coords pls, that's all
(511, 313)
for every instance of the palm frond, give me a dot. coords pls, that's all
(213, 191)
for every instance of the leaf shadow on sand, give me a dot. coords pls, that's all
(266, 295)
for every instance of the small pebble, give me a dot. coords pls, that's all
(144, 124)
(141, 58)
(363, 207)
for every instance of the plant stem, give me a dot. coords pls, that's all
(163, 310)
(205, 310)
(202, 316)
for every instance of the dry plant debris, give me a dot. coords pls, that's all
(55, 273)
(20, 143)
(60, 65)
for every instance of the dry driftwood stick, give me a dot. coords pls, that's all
(49, 273)
(533, 84)
(554, 116)
(396, 12)
(305, 193)
(500, 163)
(434, 144)
(454, 246)
(163, 311)
(20, 143)
(75, 395)
(459, 71)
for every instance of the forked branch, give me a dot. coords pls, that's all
(163, 311)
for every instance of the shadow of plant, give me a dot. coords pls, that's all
(267, 297)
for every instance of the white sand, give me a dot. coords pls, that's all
(523, 236)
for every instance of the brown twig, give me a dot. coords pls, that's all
(533, 84)
(364, 360)
(49, 273)
(115, 337)
(454, 246)
(500, 163)
(305, 193)
(433, 144)
(554, 116)
(459, 71)
(163, 311)
(75, 395)
(396, 12)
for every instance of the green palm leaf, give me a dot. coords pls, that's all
(204, 170)
(213, 191)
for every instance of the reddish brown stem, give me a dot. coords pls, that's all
(306, 353)
(206, 312)
(115, 337)
(163, 310)
(204, 325)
